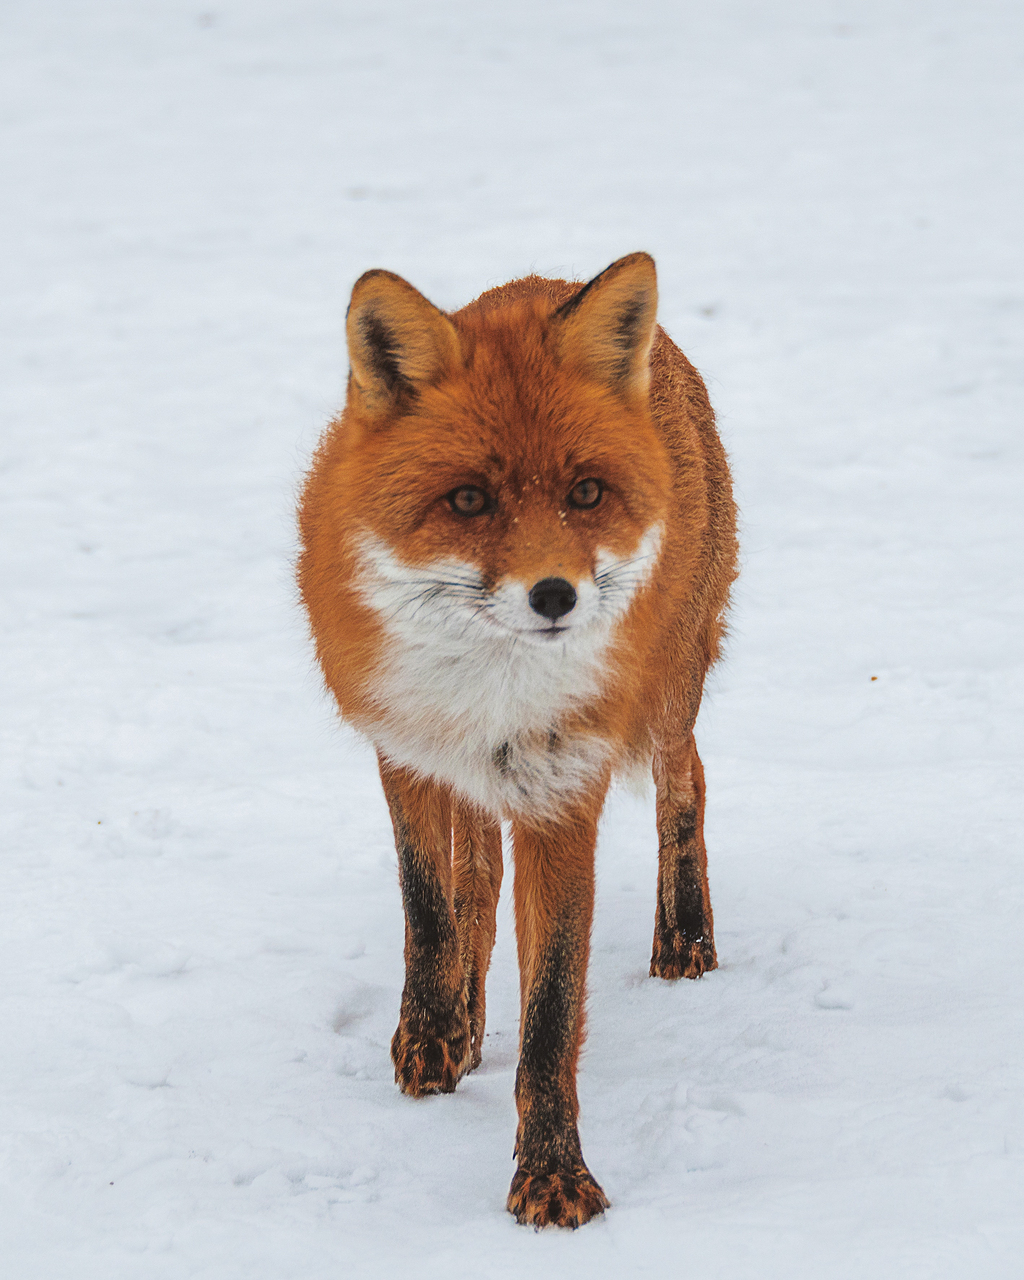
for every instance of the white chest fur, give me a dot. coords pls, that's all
(474, 689)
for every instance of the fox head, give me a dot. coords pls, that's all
(502, 462)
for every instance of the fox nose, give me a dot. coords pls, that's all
(553, 598)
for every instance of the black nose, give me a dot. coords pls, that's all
(553, 598)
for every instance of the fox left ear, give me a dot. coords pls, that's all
(608, 327)
(398, 342)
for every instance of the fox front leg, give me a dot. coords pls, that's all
(554, 901)
(478, 872)
(431, 1047)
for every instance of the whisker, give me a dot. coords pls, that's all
(620, 568)
(411, 595)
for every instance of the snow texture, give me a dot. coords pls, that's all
(201, 954)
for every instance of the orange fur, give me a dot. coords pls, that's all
(515, 400)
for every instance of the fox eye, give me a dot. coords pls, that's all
(586, 494)
(468, 500)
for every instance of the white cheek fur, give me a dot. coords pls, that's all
(474, 686)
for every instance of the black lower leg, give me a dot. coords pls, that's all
(545, 1079)
(552, 1185)
(430, 1049)
(684, 943)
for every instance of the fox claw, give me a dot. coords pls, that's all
(682, 959)
(428, 1060)
(563, 1199)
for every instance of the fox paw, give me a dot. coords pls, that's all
(682, 959)
(430, 1058)
(476, 1054)
(563, 1199)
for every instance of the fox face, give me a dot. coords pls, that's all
(508, 492)
(540, 526)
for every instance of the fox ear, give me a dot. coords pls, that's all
(397, 342)
(608, 327)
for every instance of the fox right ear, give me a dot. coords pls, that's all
(608, 326)
(397, 342)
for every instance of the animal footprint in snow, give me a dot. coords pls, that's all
(834, 997)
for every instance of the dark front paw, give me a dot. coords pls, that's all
(566, 1198)
(431, 1054)
(675, 956)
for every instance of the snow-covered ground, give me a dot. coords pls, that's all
(200, 961)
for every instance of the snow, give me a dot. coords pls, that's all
(201, 953)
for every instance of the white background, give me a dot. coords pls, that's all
(200, 958)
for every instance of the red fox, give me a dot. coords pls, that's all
(518, 540)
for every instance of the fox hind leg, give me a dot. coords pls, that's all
(477, 877)
(684, 934)
(431, 1047)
